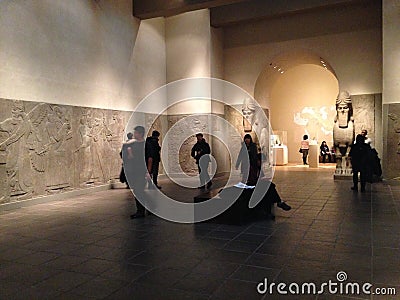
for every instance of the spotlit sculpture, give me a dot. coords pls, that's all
(254, 120)
(343, 133)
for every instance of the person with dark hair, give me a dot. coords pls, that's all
(305, 145)
(153, 158)
(133, 154)
(248, 160)
(325, 152)
(122, 177)
(200, 149)
(359, 154)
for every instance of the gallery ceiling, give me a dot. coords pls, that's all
(232, 12)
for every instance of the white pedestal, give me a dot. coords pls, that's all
(313, 156)
(280, 155)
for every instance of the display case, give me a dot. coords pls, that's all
(279, 138)
(279, 147)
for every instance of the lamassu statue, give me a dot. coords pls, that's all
(343, 133)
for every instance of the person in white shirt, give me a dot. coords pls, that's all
(305, 145)
(368, 141)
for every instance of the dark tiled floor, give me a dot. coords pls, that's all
(88, 248)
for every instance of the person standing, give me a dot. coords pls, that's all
(248, 159)
(153, 158)
(368, 140)
(122, 177)
(359, 154)
(200, 149)
(305, 145)
(133, 154)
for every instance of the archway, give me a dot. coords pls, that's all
(299, 88)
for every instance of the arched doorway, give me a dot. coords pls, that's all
(299, 88)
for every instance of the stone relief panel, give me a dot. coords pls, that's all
(234, 117)
(179, 155)
(364, 114)
(47, 148)
(392, 155)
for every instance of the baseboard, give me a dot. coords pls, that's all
(49, 198)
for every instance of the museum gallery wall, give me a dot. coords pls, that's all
(391, 121)
(47, 149)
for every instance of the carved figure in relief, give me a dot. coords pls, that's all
(59, 133)
(395, 119)
(343, 133)
(86, 175)
(248, 112)
(22, 147)
(116, 130)
(95, 148)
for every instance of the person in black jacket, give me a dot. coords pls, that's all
(133, 154)
(359, 154)
(200, 149)
(248, 158)
(153, 158)
(325, 152)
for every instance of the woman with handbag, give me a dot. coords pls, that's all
(305, 145)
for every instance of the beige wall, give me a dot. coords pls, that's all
(356, 57)
(85, 53)
(188, 49)
(304, 86)
(391, 51)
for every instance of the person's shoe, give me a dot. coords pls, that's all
(354, 188)
(209, 184)
(137, 216)
(159, 187)
(363, 190)
(202, 187)
(284, 206)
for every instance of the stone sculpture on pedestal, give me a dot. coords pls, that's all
(343, 133)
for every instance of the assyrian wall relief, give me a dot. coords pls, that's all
(364, 114)
(392, 148)
(46, 148)
(180, 145)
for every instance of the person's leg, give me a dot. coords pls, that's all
(363, 180)
(201, 176)
(155, 173)
(138, 191)
(272, 197)
(207, 176)
(355, 180)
